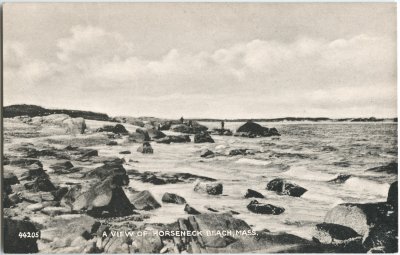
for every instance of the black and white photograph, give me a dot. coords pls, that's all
(199, 127)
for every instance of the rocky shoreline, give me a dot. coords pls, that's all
(62, 188)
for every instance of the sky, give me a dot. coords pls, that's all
(199, 60)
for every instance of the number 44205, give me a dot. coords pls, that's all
(28, 234)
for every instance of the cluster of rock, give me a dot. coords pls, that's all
(252, 130)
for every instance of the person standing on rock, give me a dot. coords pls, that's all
(222, 125)
(190, 123)
(182, 120)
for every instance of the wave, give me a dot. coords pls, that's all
(305, 174)
(367, 186)
(250, 161)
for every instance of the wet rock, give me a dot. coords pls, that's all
(110, 169)
(261, 208)
(283, 187)
(40, 184)
(62, 167)
(391, 168)
(191, 210)
(34, 171)
(211, 188)
(243, 152)
(158, 178)
(383, 238)
(103, 199)
(144, 200)
(203, 138)
(10, 179)
(253, 193)
(137, 137)
(112, 143)
(207, 154)
(341, 178)
(360, 217)
(251, 130)
(155, 134)
(174, 139)
(145, 148)
(328, 233)
(393, 197)
(173, 198)
(12, 241)
(125, 152)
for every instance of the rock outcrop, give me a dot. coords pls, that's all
(211, 188)
(252, 193)
(203, 137)
(284, 187)
(391, 168)
(252, 130)
(144, 200)
(173, 198)
(261, 208)
(174, 139)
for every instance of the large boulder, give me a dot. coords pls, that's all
(284, 187)
(328, 233)
(251, 129)
(261, 208)
(190, 210)
(75, 125)
(139, 137)
(115, 170)
(174, 139)
(104, 198)
(194, 128)
(203, 137)
(13, 243)
(211, 188)
(359, 217)
(173, 198)
(145, 148)
(144, 200)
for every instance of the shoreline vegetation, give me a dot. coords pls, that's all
(59, 185)
(34, 110)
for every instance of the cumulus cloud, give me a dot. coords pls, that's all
(310, 73)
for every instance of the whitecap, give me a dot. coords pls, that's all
(250, 161)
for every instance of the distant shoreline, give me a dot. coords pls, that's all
(34, 110)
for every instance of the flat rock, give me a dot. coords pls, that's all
(261, 208)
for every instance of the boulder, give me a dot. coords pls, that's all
(261, 208)
(62, 167)
(112, 143)
(174, 139)
(194, 128)
(251, 129)
(125, 152)
(158, 178)
(74, 125)
(252, 193)
(13, 243)
(117, 129)
(34, 170)
(207, 154)
(173, 198)
(283, 187)
(328, 233)
(341, 178)
(144, 200)
(110, 169)
(10, 179)
(155, 134)
(383, 238)
(203, 137)
(191, 210)
(104, 198)
(393, 197)
(243, 152)
(359, 217)
(145, 148)
(211, 188)
(219, 131)
(41, 183)
(139, 137)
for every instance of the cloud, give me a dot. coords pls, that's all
(314, 74)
